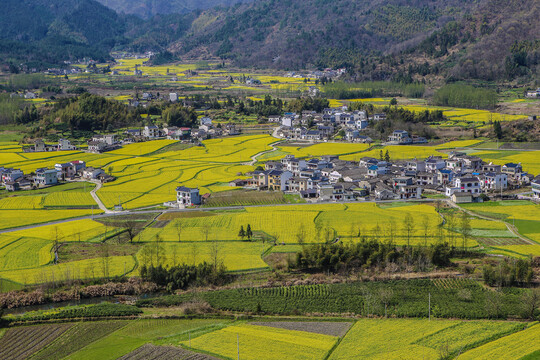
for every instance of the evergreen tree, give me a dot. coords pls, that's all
(249, 233)
(497, 129)
(387, 156)
(242, 233)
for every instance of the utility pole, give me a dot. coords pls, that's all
(238, 346)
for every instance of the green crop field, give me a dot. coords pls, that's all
(139, 332)
(393, 298)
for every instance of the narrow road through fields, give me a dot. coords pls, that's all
(98, 200)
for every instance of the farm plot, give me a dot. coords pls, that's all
(31, 202)
(77, 337)
(317, 327)
(236, 256)
(64, 199)
(140, 332)
(524, 215)
(25, 253)
(21, 342)
(309, 224)
(84, 269)
(77, 230)
(414, 339)
(150, 351)
(515, 346)
(15, 218)
(263, 342)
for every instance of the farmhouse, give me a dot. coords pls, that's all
(187, 196)
(45, 177)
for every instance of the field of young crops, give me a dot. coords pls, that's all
(139, 332)
(393, 298)
(417, 338)
(265, 343)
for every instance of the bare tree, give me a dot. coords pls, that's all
(408, 227)
(194, 252)
(105, 259)
(425, 227)
(158, 252)
(205, 231)
(301, 234)
(215, 255)
(130, 227)
(465, 225)
(451, 223)
(179, 229)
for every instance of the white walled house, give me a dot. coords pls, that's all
(187, 196)
(495, 181)
(46, 177)
(465, 184)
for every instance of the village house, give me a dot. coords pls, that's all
(65, 171)
(186, 196)
(399, 137)
(277, 179)
(464, 184)
(91, 173)
(46, 177)
(10, 175)
(151, 132)
(494, 181)
(65, 145)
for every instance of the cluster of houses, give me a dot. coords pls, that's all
(103, 143)
(15, 179)
(461, 177)
(313, 126)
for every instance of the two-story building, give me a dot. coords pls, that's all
(465, 184)
(46, 177)
(186, 196)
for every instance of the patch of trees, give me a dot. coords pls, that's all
(466, 96)
(164, 57)
(9, 108)
(509, 273)
(370, 89)
(184, 276)
(307, 103)
(178, 115)
(370, 254)
(91, 112)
